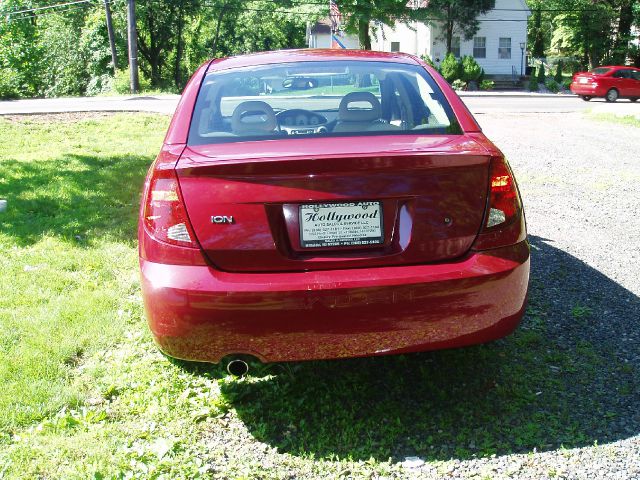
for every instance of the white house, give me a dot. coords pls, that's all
(498, 46)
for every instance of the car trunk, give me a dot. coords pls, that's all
(585, 78)
(327, 203)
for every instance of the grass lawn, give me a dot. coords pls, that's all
(631, 120)
(82, 387)
(85, 394)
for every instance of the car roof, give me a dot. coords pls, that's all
(309, 55)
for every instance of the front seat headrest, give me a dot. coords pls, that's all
(253, 118)
(346, 114)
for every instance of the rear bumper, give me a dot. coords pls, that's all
(199, 313)
(587, 89)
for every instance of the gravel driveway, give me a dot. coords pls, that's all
(572, 371)
(580, 181)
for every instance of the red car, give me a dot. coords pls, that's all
(366, 214)
(608, 82)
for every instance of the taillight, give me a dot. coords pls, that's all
(164, 232)
(165, 217)
(503, 223)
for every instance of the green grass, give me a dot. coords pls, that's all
(87, 395)
(631, 120)
(67, 251)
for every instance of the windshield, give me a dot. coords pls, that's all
(600, 71)
(319, 99)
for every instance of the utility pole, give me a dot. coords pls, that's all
(132, 37)
(112, 41)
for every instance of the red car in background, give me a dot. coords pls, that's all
(365, 214)
(610, 82)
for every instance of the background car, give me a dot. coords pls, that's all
(365, 215)
(608, 82)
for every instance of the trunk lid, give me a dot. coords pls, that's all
(585, 78)
(252, 204)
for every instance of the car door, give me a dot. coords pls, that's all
(620, 81)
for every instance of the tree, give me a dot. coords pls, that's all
(536, 34)
(358, 16)
(623, 32)
(593, 31)
(19, 54)
(456, 16)
(558, 76)
(579, 32)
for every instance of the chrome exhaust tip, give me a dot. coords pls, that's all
(237, 367)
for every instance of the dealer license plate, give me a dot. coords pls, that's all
(341, 224)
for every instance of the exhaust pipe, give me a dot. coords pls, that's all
(237, 367)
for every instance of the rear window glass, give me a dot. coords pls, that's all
(310, 99)
(600, 71)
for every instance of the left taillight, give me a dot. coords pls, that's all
(165, 234)
(165, 217)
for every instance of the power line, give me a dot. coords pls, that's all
(55, 12)
(48, 7)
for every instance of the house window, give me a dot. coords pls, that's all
(455, 46)
(395, 46)
(504, 48)
(480, 47)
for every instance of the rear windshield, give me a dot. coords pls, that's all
(600, 71)
(310, 99)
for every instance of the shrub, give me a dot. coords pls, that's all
(566, 83)
(533, 84)
(558, 76)
(100, 84)
(9, 84)
(541, 76)
(471, 71)
(451, 68)
(552, 85)
(459, 84)
(487, 85)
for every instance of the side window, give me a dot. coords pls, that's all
(619, 74)
(480, 47)
(504, 48)
(635, 74)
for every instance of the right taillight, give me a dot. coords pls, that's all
(504, 221)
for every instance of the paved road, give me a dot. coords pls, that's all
(478, 103)
(157, 103)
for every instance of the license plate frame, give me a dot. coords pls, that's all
(341, 224)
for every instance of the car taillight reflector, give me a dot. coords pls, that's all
(504, 223)
(165, 217)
